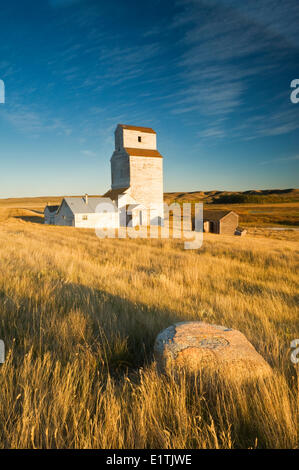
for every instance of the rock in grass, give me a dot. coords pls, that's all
(197, 346)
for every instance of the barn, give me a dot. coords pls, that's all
(224, 222)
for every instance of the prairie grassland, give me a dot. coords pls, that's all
(268, 215)
(79, 317)
(268, 208)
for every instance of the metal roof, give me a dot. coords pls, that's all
(137, 128)
(136, 152)
(215, 214)
(52, 208)
(114, 193)
(79, 206)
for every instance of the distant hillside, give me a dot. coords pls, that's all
(279, 207)
(265, 196)
(29, 202)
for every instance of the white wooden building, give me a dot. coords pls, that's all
(86, 212)
(136, 194)
(137, 173)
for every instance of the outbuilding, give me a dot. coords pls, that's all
(87, 212)
(49, 214)
(224, 222)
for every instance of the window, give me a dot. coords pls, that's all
(139, 138)
(84, 217)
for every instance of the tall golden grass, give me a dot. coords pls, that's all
(79, 317)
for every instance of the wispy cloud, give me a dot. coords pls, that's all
(209, 99)
(109, 66)
(282, 160)
(121, 64)
(226, 47)
(279, 20)
(280, 121)
(63, 3)
(213, 131)
(34, 122)
(88, 153)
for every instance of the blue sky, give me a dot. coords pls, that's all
(211, 77)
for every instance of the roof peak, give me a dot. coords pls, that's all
(114, 193)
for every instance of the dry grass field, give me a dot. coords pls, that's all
(79, 317)
(276, 208)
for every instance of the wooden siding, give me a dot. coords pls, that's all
(229, 224)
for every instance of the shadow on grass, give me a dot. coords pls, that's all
(30, 218)
(78, 319)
